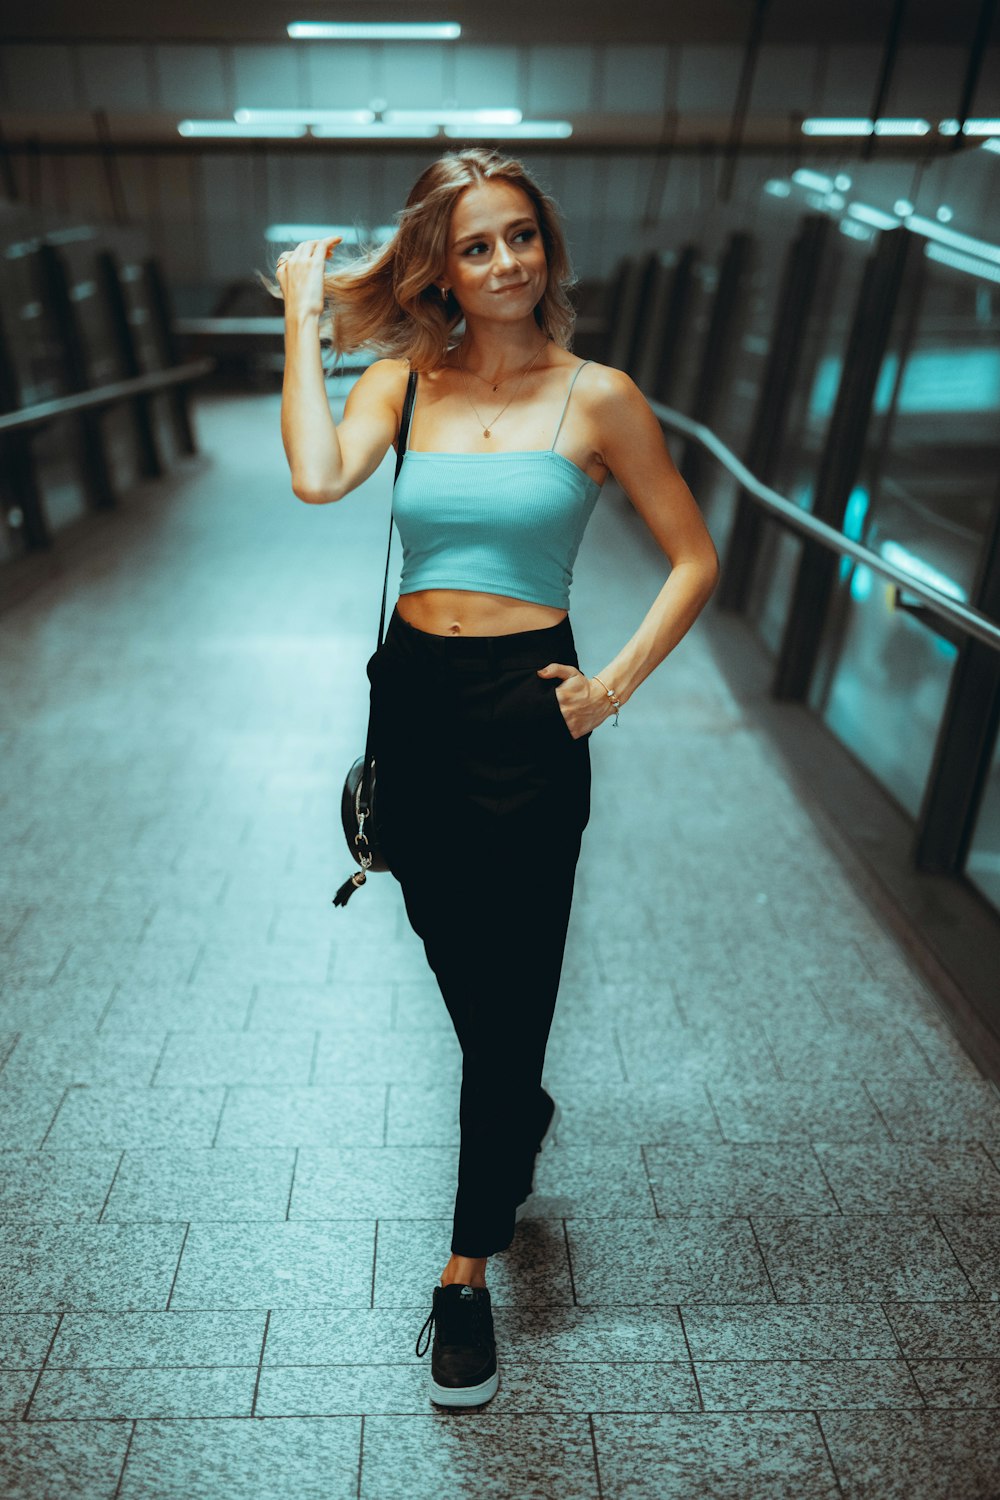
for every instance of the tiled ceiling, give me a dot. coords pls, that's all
(628, 75)
(861, 22)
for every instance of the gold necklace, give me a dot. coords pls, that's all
(488, 430)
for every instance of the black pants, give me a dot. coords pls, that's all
(482, 797)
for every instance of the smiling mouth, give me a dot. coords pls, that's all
(515, 288)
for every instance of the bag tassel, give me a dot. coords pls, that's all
(348, 888)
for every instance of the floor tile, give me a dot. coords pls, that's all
(55, 1267)
(244, 1460)
(122, 1117)
(934, 1110)
(235, 1057)
(962, 1384)
(731, 1456)
(784, 1385)
(156, 1340)
(704, 1259)
(848, 1331)
(24, 1339)
(81, 1459)
(884, 1177)
(860, 1258)
(366, 1183)
(121, 1395)
(975, 1239)
(338, 1115)
(277, 1265)
(737, 1179)
(938, 1455)
(228, 1184)
(60, 1185)
(945, 1330)
(827, 1111)
(493, 1457)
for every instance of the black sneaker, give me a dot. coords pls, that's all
(464, 1358)
(548, 1139)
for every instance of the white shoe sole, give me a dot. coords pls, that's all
(466, 1395)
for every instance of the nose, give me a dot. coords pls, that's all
(503, 256)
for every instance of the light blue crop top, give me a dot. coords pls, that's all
(496, 523)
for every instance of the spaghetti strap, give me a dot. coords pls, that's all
(566, 404)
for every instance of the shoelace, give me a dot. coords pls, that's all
(476, 1310)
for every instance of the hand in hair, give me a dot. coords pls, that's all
(300, 275)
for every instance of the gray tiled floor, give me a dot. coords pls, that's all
(762, 1260)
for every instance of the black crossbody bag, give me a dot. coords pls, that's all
(357, 804)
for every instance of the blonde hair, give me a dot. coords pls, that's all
(387, 298)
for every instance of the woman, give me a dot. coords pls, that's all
(481, 714)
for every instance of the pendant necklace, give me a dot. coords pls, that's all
(488, 430)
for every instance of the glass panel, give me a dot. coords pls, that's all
(924, 502)
(983, 864)
(821, 361)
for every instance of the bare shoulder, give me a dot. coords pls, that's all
(385, 376)
(605, 387)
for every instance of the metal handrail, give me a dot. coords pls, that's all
(971, 621)
(105, 395)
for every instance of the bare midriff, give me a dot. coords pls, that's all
(464, 612)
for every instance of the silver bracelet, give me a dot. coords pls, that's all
(613, 696)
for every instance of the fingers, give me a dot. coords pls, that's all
(559, 669)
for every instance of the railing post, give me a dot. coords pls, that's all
(843, 452)
(675, 323)
(96, 471)
(22, 500)
(163, 324)
(722, 329)
(109, 277)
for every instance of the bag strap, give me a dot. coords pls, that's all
(365, 787)
(401, 441)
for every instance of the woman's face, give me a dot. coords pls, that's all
(496, 258)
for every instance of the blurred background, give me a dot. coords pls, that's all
(784, 220)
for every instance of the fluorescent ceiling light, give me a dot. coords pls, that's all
(374, 132)
(993, 145)
(283, 234)
(528, 130)
(902, 127)
(950, 237)
(967, 263)
(351, 234)
(873, 216)
(451, 116)
(375, 31)
(230, 129)
(971, 127)
(815, 180)
(777, 188)
(304, 116)
(853, 230)
(817, 126)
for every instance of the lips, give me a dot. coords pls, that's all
(515, 288)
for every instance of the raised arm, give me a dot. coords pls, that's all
(327, 461)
